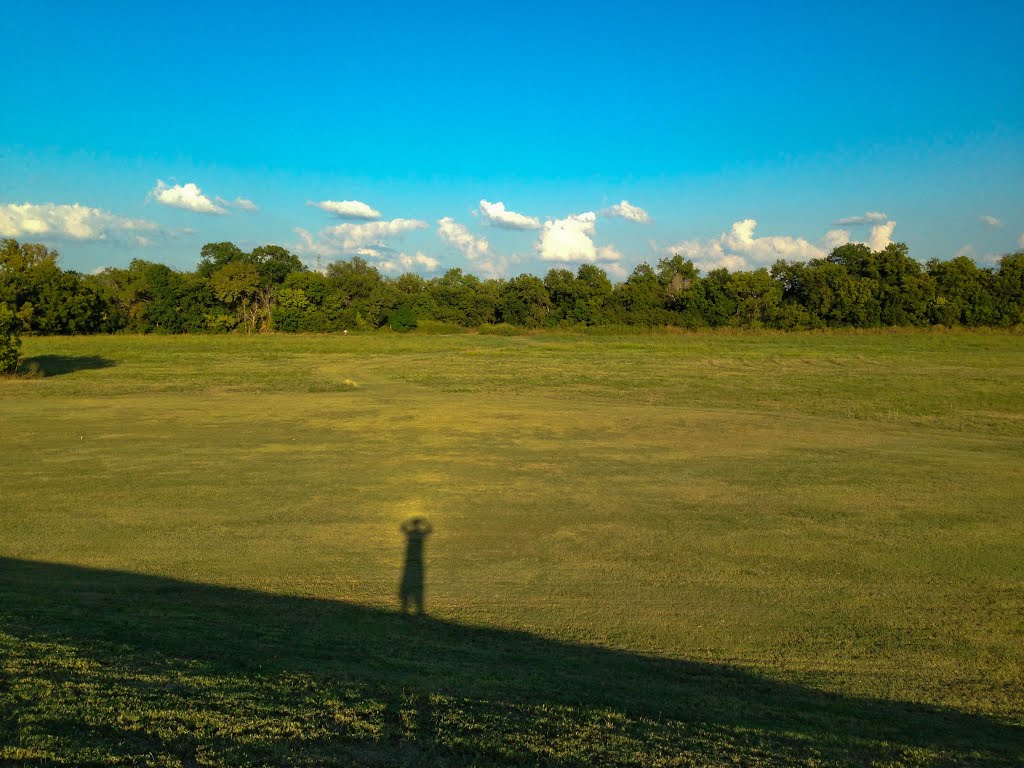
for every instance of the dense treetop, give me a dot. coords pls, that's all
(269, 289)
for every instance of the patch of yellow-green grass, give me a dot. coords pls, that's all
(669, 549)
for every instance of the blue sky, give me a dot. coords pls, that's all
(737, 133)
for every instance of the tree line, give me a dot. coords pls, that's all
(269, 289)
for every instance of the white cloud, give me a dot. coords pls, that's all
(457, 235)
(871, 217)
(187, 196)
(365, 239)
(240, 203)
(72, 222)
(405, 263)
(992, 221)
(616, 271)
(476, 249)
(625, 210)
(739, 249)
(764, 250)
(571, 240)
(497, 215)
(568, 239)
(347, 209)
(310, 245)
(608, 253)
(835, 238)
(352, 236)
(881, 236)
(707, 255)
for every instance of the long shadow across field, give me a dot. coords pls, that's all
(59, 365)
(101, 665)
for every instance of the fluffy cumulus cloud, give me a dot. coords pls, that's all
(569, 239)
(187, 196)
(992, 221)
(616, 271)
(465, 242)
(572, 240)
(707, 255)
(403, 262)
(871, 217)
(763, 250)
(741, 249)
(367, 239)
(497, 215)
(835, 238)
(71, 222)
(348, 209)
(352, 236)
(608, 253)
(476, 249)
(625, 210)
(881, 229)
(881, 235)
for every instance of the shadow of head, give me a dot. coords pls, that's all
(128, 657)
(58, 365)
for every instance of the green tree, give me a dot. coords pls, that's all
(214, 256)
(721, 302)
(150, 291)
(685, 296)
(237, 285)
(561, 287)
(640, 300)
(902, 291)
(45, 298)
(274, 263)
(757, 298)
(402, 319)
(906, 291)
(10, 342)
(462, 299)
(593, 299)
(291, 309)
(1008, 289)
(823, 292)
(107, 284)
(524, 301)
(963, 293)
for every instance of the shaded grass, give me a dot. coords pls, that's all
(59, 365)
(831, 519)
(129, 669)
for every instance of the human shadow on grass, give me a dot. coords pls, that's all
(411, 589)
(136, 669)
(59, 365)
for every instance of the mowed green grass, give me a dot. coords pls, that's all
(697, 549)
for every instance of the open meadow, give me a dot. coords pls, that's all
(649, 549)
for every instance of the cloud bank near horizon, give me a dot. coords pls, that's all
(74, 222)
(740, 249)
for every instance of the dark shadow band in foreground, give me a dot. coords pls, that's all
(117, 668)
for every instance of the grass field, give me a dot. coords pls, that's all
(650, 550)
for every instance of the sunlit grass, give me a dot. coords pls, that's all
(836, 513)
